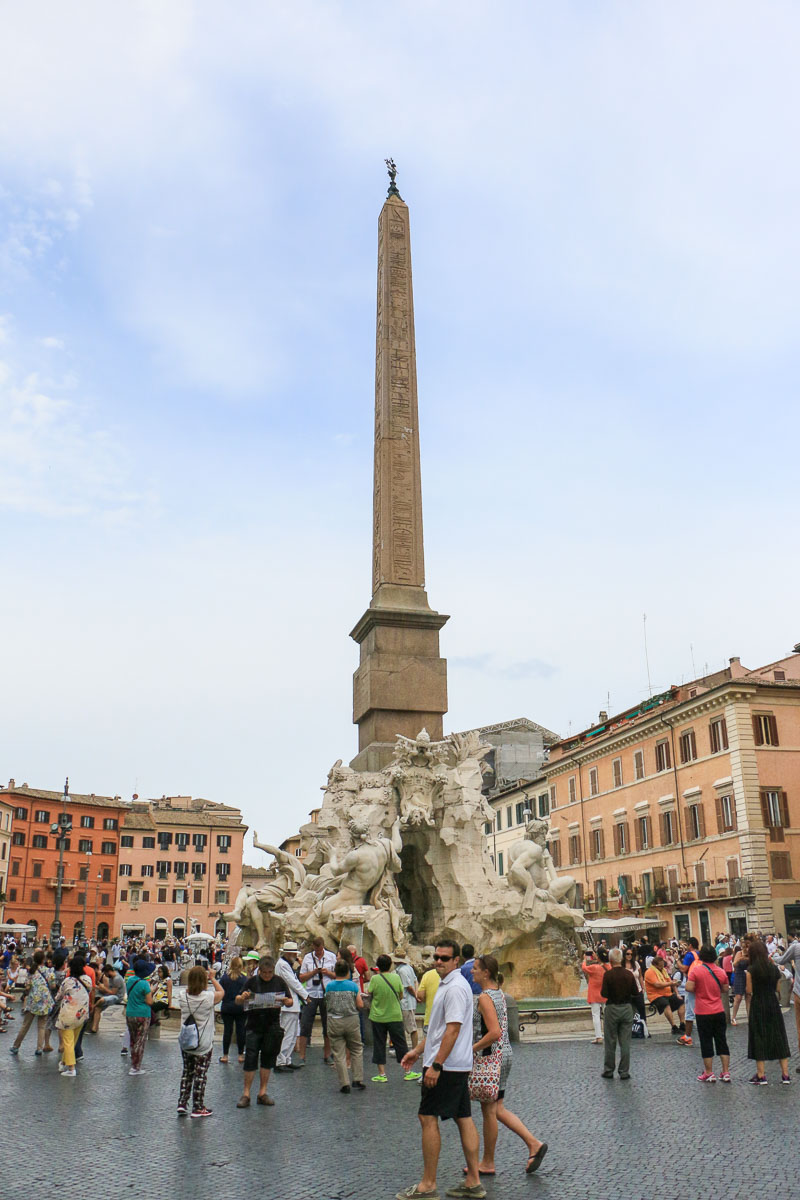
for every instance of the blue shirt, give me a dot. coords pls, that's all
(136, 1007)
(340, 997)
(466, 971)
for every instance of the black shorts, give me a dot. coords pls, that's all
(309, 1011)
(449, 1099)
(672, 1002)
(264, 1045)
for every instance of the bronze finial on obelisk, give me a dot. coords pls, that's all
(401, 682)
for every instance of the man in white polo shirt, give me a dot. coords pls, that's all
(447, 1061)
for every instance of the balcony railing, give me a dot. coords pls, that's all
(65, 883)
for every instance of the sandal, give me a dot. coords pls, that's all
(243, 1102)
(535, 1160)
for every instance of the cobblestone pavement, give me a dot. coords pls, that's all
(606, 1138)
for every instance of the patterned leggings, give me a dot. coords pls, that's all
(137, 1028)
(195, 1073)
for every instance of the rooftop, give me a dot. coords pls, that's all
(24, 791)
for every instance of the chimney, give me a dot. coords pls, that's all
(602, 716)
(735, 659)
(796, 648)
(12, 783)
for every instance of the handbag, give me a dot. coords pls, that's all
(189, 1036)
(484, 1079)
(637, 1028)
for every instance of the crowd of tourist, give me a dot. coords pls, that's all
(268, 1007)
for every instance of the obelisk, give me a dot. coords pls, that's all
(401, 682)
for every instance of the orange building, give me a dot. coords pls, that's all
(687, 806)
(180, 866)
(88, 889)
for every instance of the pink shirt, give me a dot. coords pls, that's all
(707, 995)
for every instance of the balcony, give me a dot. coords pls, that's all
(673, 896)
(65, 883)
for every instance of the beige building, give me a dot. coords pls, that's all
(686, 806)
(180, 866)
(6, 822)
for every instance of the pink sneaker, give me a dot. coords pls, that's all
(707, 1077)
(725, 1077)
(785, 1079)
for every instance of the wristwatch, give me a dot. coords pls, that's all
(436, 1066)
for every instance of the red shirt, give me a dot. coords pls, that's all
(707, 994)
(594, 973)
(360, 965)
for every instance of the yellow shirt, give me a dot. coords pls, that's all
(428, 985)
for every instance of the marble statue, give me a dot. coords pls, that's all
(256, 909)
(532, 872)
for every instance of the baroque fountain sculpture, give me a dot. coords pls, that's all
(397, 858)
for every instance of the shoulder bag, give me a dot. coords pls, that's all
(189, 1036)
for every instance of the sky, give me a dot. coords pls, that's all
(605, 244)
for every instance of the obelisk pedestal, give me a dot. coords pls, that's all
(401, 682)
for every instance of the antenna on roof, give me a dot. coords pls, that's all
(646, 656)
(694, 668)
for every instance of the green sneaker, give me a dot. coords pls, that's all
(413, 1075)
(380, 1079)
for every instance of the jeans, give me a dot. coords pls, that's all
(617, 1028)
(229, 1020)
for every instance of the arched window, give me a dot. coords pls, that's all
(178, 927)
(102, 931)
(160, 929)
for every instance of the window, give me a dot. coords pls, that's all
(509, 818)
(552, 797)
(164, 841)
(598, 844)
(12, 895)
(180, 896)
(83, 873)
(162, 895)
(574, 849)
(198, 896)
(616, 767)
(123, 896)
(544, 805)
(621, 839)
(181, 840)
(765, 729)
(718, 735)
(647, 887)
(15, 866)
(726, 814)
(555, 852)
(487, 828)
(37, 870)
(42, 816)
(520, 812)
(147, 871)
(498, 819)
(126, 841)
(105, 899)
(642, 831)
(125, 869)
(40, 842)
(500, 863)
(35, 896)
(108, 848)
(223, 842)
(223, 870)
(695, 822)
(573, 789)
(87, 822)
(81, 898)
(198, 869)
(780, 864)
(106, 874)
(775, 811)
(669, 833)
(663, 756)
(638, 764)
(20, 814)
(594, 786)
(687, 745)
(85, 846)
(148, 843)
(109, 822)
(180, 870)
(779, 676)
(221, 896)
(600, 893)
(162, 866)
(199, 841)
(18, 838)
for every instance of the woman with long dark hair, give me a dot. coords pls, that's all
(490, 1024)
(766, 1032)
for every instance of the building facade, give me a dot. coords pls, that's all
(91, 854)
(180, 866)
(687, 806)
(6, 825)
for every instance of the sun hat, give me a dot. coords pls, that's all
(252, 954)
(290, 946)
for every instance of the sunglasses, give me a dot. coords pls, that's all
(443, 958)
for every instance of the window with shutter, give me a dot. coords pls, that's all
(637, 830)
(638, 764)
(663, 756)
(616, 839)
(573, 790)
(780, 863)
(687, 746)
(775, 813)
(594, 786)
(617, 769)
(765, 729)
(718, 735)
(555, 853)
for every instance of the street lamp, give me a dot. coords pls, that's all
(96, 890)
(60, 829)
(86, 895)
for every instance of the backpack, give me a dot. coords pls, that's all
(74, 1008)
(189, 1035)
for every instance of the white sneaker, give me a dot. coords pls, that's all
(133, 1071)
(68, 1073)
